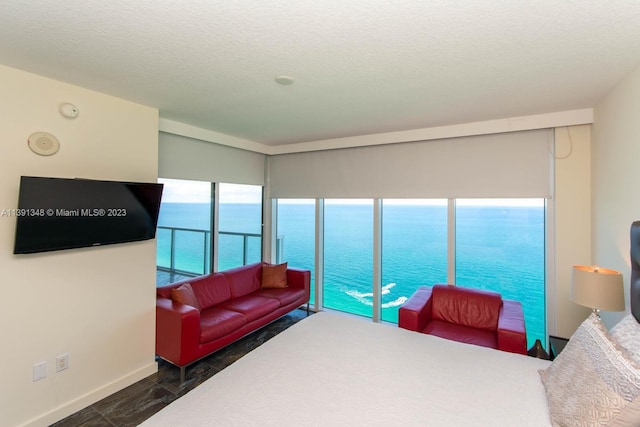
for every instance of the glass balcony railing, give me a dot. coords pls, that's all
(183, 251)
(186, 252)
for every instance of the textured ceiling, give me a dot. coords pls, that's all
(360, 67)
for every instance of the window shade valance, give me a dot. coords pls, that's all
(507, 165)
(186, 158)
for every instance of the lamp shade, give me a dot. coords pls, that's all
(597, 288)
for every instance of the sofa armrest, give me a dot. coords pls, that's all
(177, 331)
(415, 313)
(299, 278)
(512, 335)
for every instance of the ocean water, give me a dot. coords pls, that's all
(499, 248)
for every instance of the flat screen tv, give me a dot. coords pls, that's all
(60, 213)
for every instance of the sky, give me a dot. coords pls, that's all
(181, 191)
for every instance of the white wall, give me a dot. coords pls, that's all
(615, 178)
(97, 304)
(572, 225)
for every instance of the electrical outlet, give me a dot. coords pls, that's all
(39, 371)
(62, 362)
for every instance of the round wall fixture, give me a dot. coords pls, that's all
(68, 110)
(43, 143)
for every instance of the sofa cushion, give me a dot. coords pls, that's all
(285, 296)
(466, 307)
(274, 276)
(211, 290)
(164, 291)
(461, 333)
(244, 280)
(216, 322)
(251, 306)
(184, 295)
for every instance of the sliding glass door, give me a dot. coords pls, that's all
(500, 247)
(295, 236)
(184, 230)
(348, 256)
(240, 225)
(414, 250)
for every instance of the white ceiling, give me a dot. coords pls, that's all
(360, 66)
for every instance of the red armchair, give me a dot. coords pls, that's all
(466, 315)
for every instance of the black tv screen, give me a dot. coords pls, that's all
(60, 213)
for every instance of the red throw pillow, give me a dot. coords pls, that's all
(184, 294)
(274, 276)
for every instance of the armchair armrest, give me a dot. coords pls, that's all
(415, 313)
(512, 335)
(177, 331)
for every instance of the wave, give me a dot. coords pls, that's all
(367, 297)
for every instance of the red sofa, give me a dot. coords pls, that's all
(467, 315)
(198, 316)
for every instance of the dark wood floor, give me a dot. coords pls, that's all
(136, 403)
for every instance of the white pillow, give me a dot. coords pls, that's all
(592, 382)
(627, 334)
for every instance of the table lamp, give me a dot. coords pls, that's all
(597, 288)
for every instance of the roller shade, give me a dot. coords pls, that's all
(506, 165)
(186, 158)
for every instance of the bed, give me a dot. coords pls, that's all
(330, 369)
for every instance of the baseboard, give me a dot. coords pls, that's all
(92, 397)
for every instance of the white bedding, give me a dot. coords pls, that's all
(335, 370)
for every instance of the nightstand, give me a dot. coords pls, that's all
(556, 345)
